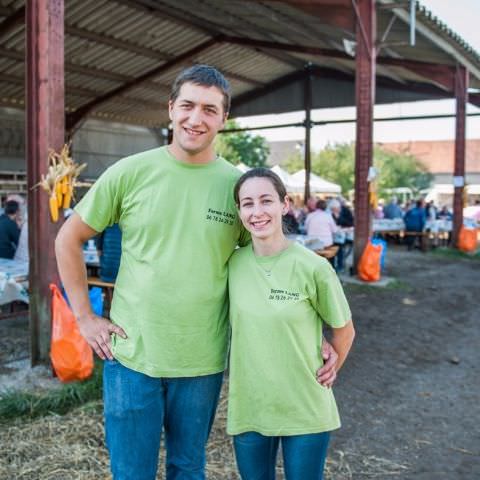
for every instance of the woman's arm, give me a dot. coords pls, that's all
(342, 339)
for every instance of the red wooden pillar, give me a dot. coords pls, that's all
(45, 117)
(461, 87)
(365, 100)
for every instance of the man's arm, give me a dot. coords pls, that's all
(73, 273)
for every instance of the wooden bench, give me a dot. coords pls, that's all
(107, 288)
(328, 252)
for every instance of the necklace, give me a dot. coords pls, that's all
(268, 271)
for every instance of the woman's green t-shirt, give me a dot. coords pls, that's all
(277, 307)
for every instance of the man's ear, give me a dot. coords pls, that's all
(225, 118)
(170, 108)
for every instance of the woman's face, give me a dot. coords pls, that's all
(261, 209)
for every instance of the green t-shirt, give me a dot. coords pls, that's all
(179, 227)
(277, 306)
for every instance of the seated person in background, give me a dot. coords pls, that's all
(290, 223)
(321, 224)
(445, 214)
(22, 254)
(415, 220)
(392, 210)
(9, 230)
(109, 246)
(378, 213)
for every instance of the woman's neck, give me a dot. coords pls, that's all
(263, 247)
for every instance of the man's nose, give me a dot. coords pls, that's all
(195, 117)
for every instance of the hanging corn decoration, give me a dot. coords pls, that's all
(372, 195)
(60, 180)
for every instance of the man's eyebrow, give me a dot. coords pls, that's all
(191, 102)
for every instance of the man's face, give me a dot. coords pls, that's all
(312, 204)
(197, 115)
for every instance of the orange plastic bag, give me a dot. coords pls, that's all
(369, 264)
(71, 355)
(467, 239)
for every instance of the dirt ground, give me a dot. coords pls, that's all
(409, 395)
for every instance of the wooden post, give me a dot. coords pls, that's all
(45, 120)
(461, 89)
(365, 100)
(308, 131)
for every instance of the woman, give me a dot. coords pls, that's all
(280, 294)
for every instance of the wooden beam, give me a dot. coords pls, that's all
(461, 89)
(337, 13)
(45, 129)
(365, 100)
(15, 19)
(271, 87)
(78, 115)
(474, 99)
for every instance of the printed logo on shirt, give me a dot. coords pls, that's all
(220, 216)
(283, 295)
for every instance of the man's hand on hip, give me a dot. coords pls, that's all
(96, 331)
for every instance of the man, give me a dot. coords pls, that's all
(392, 210)
(166, 346)
(415, 220)
(9, 229)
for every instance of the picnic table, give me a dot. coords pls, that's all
(13, 281)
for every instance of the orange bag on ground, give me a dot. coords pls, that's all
(467, 239)
(71, 355)
(369, 264)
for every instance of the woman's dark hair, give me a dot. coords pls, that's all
(206, 76)
(260, 172)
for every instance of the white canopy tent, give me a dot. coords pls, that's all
(317, 184)
(285, 177)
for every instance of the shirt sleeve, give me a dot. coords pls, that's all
(102, 205)
(329, 300)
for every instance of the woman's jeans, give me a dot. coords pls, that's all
(303, 455)
(137, 407)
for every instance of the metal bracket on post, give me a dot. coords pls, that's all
(413, 7)
(362, 29)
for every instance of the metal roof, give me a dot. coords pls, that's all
(261, 46)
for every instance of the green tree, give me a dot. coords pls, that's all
(252, 150)
(336, 163)
(401, 170)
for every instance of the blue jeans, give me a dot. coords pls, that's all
(136, 409)
(303, 455)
